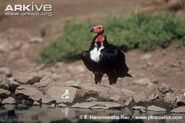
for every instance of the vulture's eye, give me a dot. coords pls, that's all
(99, 27)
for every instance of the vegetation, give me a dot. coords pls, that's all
(146, 31)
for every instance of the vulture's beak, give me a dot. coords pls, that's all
(91, 30)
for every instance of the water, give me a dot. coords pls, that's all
(35, 114)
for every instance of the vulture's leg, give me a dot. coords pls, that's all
(112, 78)
(98, 77)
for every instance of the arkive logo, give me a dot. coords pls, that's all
(28, 9)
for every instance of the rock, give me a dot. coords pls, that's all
(40, 67)
(129, 101)
(45, 81)
(61, 105)
(4, 84)
(127, 92)
(5, 70)
(138, 108)
(180, 99)
(56, 77)
(30, 91)
(164, 88)
(9, 84)
(153, 97)
(36, 103)
(62, 94)
(156, 108)
(83, 95)
(99, 105)
(27, 77)
(46, 99)
(36, 40)
(146, 94)
(52, 106)
(139, 98)
(8, 100)
(91, 99)
(169, 98)
(101, 92)
(73, 83)
(4, 93)
(146, 56)
(142, 81)
(85, 105)
(180, 109)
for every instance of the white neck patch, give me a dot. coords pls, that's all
(95, 53)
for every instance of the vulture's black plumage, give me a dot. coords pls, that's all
(104, 58)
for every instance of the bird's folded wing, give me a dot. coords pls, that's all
(111, 55)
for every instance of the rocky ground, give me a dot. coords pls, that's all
(43, 88)
(158, 77)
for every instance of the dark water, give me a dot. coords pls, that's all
(35, 114)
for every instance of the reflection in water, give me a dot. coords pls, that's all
(20, 114)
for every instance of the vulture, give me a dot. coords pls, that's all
(104, 58)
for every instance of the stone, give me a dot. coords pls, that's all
(169, 98)
(62, 94)
(52, 106)
(142, 81)
(5, 70)
(84, 105)
(36, 103)
(9, 84)
(27, 77)
(45, 81)
(180, 109)
(129, 101)
(156, 108)
(180, 99)
(153, 97)
(8, 100)
(90, 99)
(127, 92)
(4, 93)
(146, 56)
(138, 108)
(101, 92)
(46, 99)
(4, 84)
(99, 105)
(73, 83)
(163, 88)
(139, 98)
(36, 40)
(30, 91)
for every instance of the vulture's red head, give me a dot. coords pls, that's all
(99, 30)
